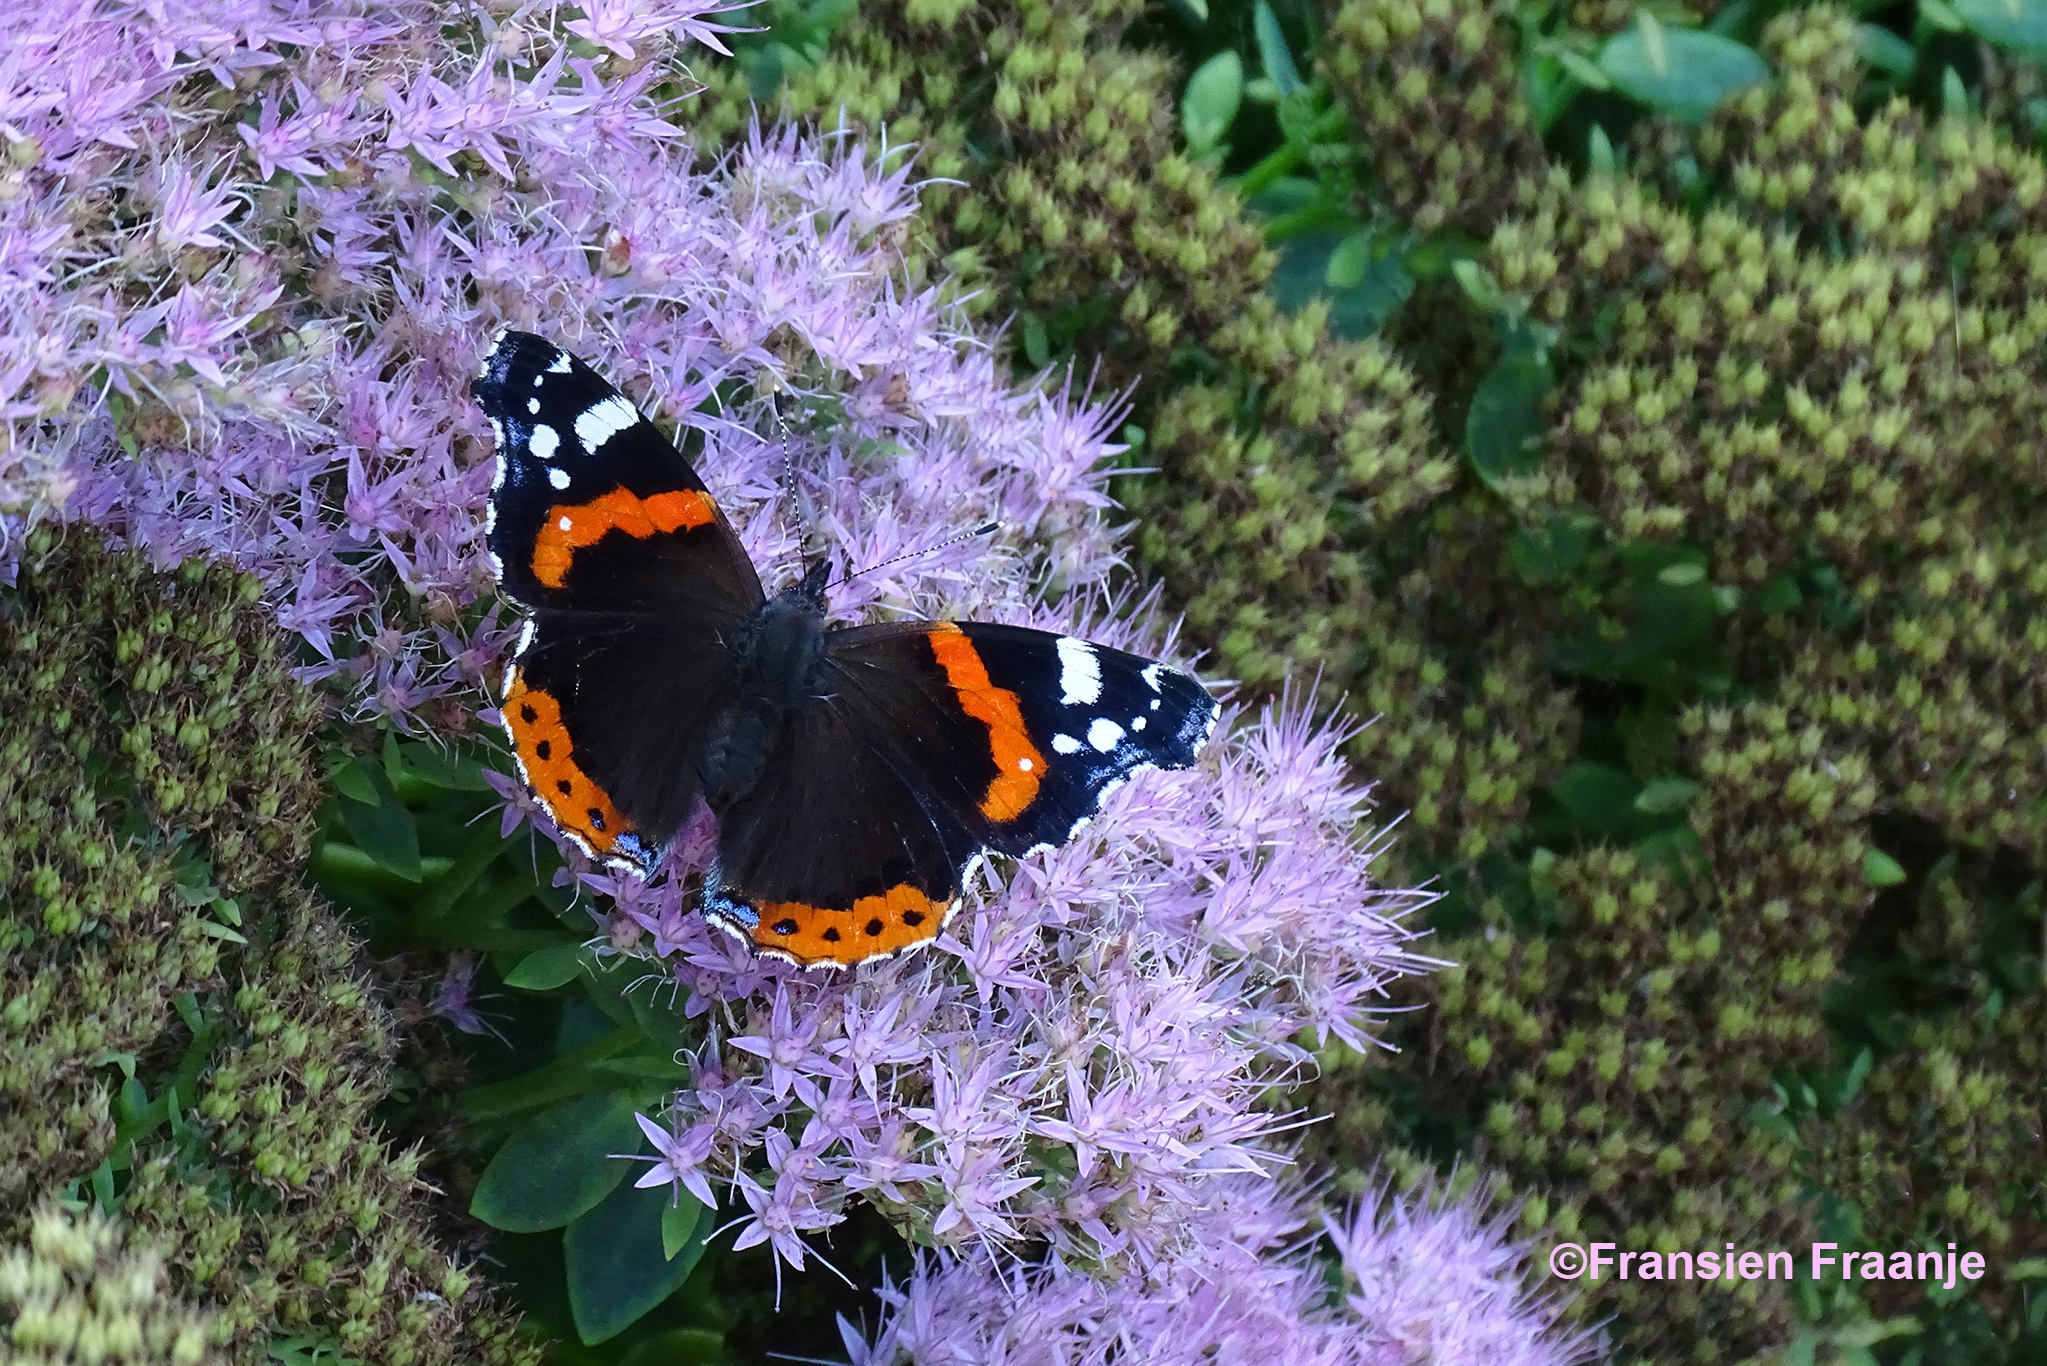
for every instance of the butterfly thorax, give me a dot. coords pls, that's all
(775, 657)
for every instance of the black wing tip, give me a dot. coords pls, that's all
(507, 347)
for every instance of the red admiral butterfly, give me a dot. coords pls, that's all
(858, 774)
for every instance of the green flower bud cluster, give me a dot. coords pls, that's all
(1772, 141)
(333, 1238)
(1769, 771)
(106, 666)
(156, 801)
(74, 1291)
(1964, 1088)
(1611, 16)
(1611, 1070)
(2009, 90)
(1091, 202)
(1277, 538)
(1763, 391)
(1834, 361)
(1436, 101)
(1472, 721)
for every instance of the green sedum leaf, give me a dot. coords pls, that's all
(680, 1347)
(1683, 72)
(386, 833)
(354, 779)
(1349, 262)
(1214, 93)
(545, 969)
(681, 1225)
(1272, 50)
(558, 1165)
(1885, 50)
(1503, 432)
(2019, 25)
(617, 1267)
(1599, 797)
(1881, 869)
(1665, 794)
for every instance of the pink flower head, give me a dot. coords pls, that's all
(1244, 1292)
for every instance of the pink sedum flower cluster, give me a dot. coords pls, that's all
(250, 254)
(1424, 1284)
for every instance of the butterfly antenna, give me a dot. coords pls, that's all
(986, 528)
(771, 384)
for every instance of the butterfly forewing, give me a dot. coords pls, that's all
(633, 577)
(591, 507)
(1091, 717)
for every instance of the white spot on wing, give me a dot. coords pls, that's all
(1151, 677)
(1025, 765)
(1065, 744)
(1137, 723)
(544, 442)
(483, 369)
(558, 476)
(1104, 734)
(559, 366)
(564, 524)
(525, 639)
(533, 404)
(603, 420)
(1080, 673)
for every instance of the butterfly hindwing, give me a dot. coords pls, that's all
(601, 718)
(602, 528)
(828, 865)
(960, 734)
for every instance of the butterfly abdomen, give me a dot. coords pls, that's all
(774, 665)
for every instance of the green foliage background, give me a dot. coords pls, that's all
(1637, 409)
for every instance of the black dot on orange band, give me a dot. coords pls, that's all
(528, 715)
(565, 787)
(597, 817)
(545, 750)
(913, 918)
(785, 927)
(874, 927)
(831, 936)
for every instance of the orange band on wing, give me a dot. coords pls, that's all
(1017, 761)
(578, 805)
(875, 927)
(570, 527)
